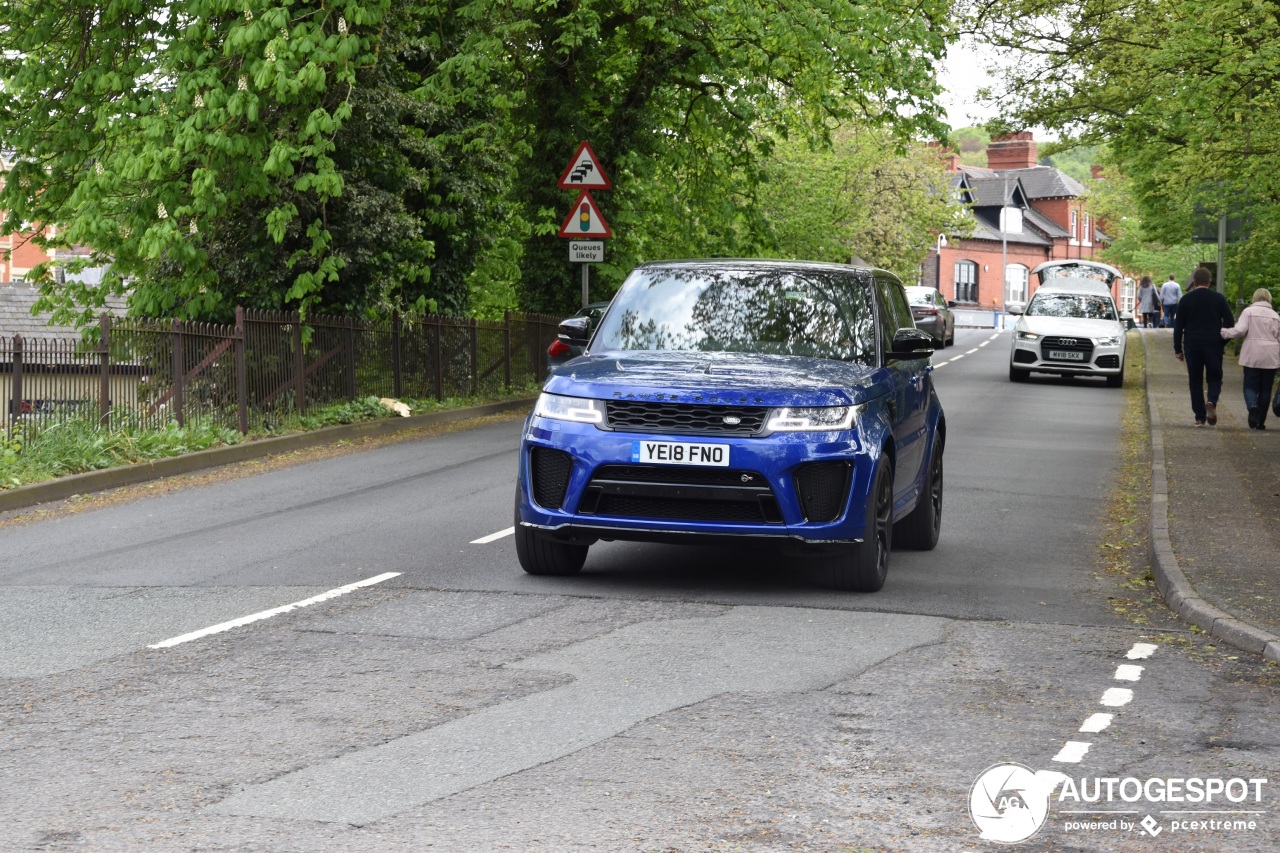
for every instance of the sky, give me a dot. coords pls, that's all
(962, 74)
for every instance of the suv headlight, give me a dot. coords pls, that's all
(576, 409)
(1028, 336)
(1113, 341)
(812, 419)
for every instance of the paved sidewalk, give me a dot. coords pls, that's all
(1215, 519)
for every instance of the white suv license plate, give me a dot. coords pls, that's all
(680, 453)
(1066, 355)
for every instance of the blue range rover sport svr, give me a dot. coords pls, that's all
(721, 398)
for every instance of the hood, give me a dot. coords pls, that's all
(1070, 327)
(728, 377)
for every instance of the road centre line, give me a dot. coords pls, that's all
(275, 611)
(972, 351)
(493, 537)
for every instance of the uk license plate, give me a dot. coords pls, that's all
(680, 453)
(1066, 355)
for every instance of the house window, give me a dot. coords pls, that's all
(1087, 236)
(1015, 284)
(1075, 227)
(1128, 295)
(966, 281)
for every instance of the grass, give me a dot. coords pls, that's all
(80, 445)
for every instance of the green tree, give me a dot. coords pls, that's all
(1183, 92)
(858, 199)
(140, 126)
(683, 103)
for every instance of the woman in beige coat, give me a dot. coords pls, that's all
(1259, 324)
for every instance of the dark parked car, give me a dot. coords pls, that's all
(746, 399)
(562, 349)
(933, 314)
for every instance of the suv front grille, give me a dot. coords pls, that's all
(1064, 344)
(684, 418)
(681, 494)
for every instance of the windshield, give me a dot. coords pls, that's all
(817, 313)
(1072, 305)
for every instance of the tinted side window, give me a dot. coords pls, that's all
(894, 311)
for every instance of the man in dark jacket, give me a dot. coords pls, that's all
(1202, 314)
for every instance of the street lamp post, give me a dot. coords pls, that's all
(941, 244)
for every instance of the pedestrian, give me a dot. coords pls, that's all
(1259, 354)
(1200, 317)
(1170, 293)
(1148, 303)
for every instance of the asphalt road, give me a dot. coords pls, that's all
(666, 699)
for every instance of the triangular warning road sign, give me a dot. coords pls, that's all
(584, 220)
(584, 171)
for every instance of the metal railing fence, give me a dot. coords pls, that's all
(267, 369)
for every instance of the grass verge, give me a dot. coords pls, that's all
(80, 445)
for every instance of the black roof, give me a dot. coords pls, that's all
(16, 302)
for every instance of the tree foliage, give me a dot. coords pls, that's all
(859, 199)
(343, 155)
(1184, 92)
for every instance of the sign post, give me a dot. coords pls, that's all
(584, 173)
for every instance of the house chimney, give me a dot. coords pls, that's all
(1012, 151)
(950, 159)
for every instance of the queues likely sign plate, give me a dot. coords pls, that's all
(586, 251)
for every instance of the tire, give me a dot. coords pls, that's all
(1018, 375)
(919, 530)
(951, 340)
(1116, 381)
(540, 554)
(863, 566)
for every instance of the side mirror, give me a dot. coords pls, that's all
(1015, 308)
(910, 344)
(1126, 315)
(951, 303)
(575, 331)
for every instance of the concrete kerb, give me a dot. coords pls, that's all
(96, 481)
(1179, 595)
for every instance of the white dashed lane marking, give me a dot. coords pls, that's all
(275, 611)
(1128, 672)
(1141, 651)
(1096, 723)
(493, 537)
(1073, 751)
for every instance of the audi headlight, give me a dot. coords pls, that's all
(576, 409)
(1028, 336)
(812, 419)
(1113, 341)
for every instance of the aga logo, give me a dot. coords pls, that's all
(1009, 802)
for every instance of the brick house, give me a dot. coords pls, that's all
(1045, 218)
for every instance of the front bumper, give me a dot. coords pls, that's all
(582, 483)
(1047, 355)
